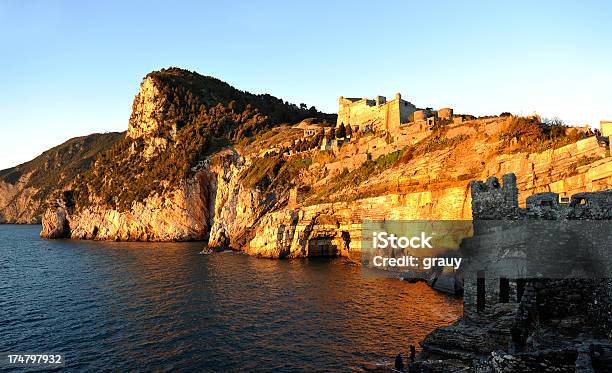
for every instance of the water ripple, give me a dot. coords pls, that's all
(131, 306)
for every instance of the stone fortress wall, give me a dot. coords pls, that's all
(400, 119)
(378, 115)
(382, 116)
(525, 323)
(492, 201)
(606, 128)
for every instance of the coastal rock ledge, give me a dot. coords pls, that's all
(55, 224)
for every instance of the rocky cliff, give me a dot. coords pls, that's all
(28, 189)
(204, 161)
(431, 186)
(176, 175)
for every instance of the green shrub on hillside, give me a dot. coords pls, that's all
(533, 135)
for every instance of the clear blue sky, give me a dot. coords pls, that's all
(72, 68)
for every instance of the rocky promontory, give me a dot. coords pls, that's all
(202, 160)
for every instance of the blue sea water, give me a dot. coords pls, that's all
(111, 306)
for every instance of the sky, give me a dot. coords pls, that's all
(71, 68)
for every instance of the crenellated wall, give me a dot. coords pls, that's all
(528, 322)
(377, 115)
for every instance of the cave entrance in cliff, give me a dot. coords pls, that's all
(322, 246)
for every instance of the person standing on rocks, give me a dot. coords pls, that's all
(399, 363)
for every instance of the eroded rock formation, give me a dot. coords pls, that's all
(178, 216)
(55, 224)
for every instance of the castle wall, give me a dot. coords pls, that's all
(445, 113)
(379, 114)
(361, 113)
(399, 112)
(606, 128)
(493, 202)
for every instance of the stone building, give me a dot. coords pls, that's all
(606, 128)
(537, 288)
(445, 113)
(377, 115)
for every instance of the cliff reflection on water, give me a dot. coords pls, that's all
(164, 307)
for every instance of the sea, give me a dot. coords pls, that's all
(117, 306)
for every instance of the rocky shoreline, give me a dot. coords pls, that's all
(544, 325)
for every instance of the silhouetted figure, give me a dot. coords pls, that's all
(517, 339)
(399, 363)
(412, 354)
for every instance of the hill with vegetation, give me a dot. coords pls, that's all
(27, 189)
(202, 160)
(178, 120)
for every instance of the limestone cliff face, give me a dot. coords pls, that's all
(584, 166)
(292, 232)
(147, 119)
(147, 111)
(214, 205)
(55, 224)
(179, 216)
(18, 203)
(311, 230)
(233, 206)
